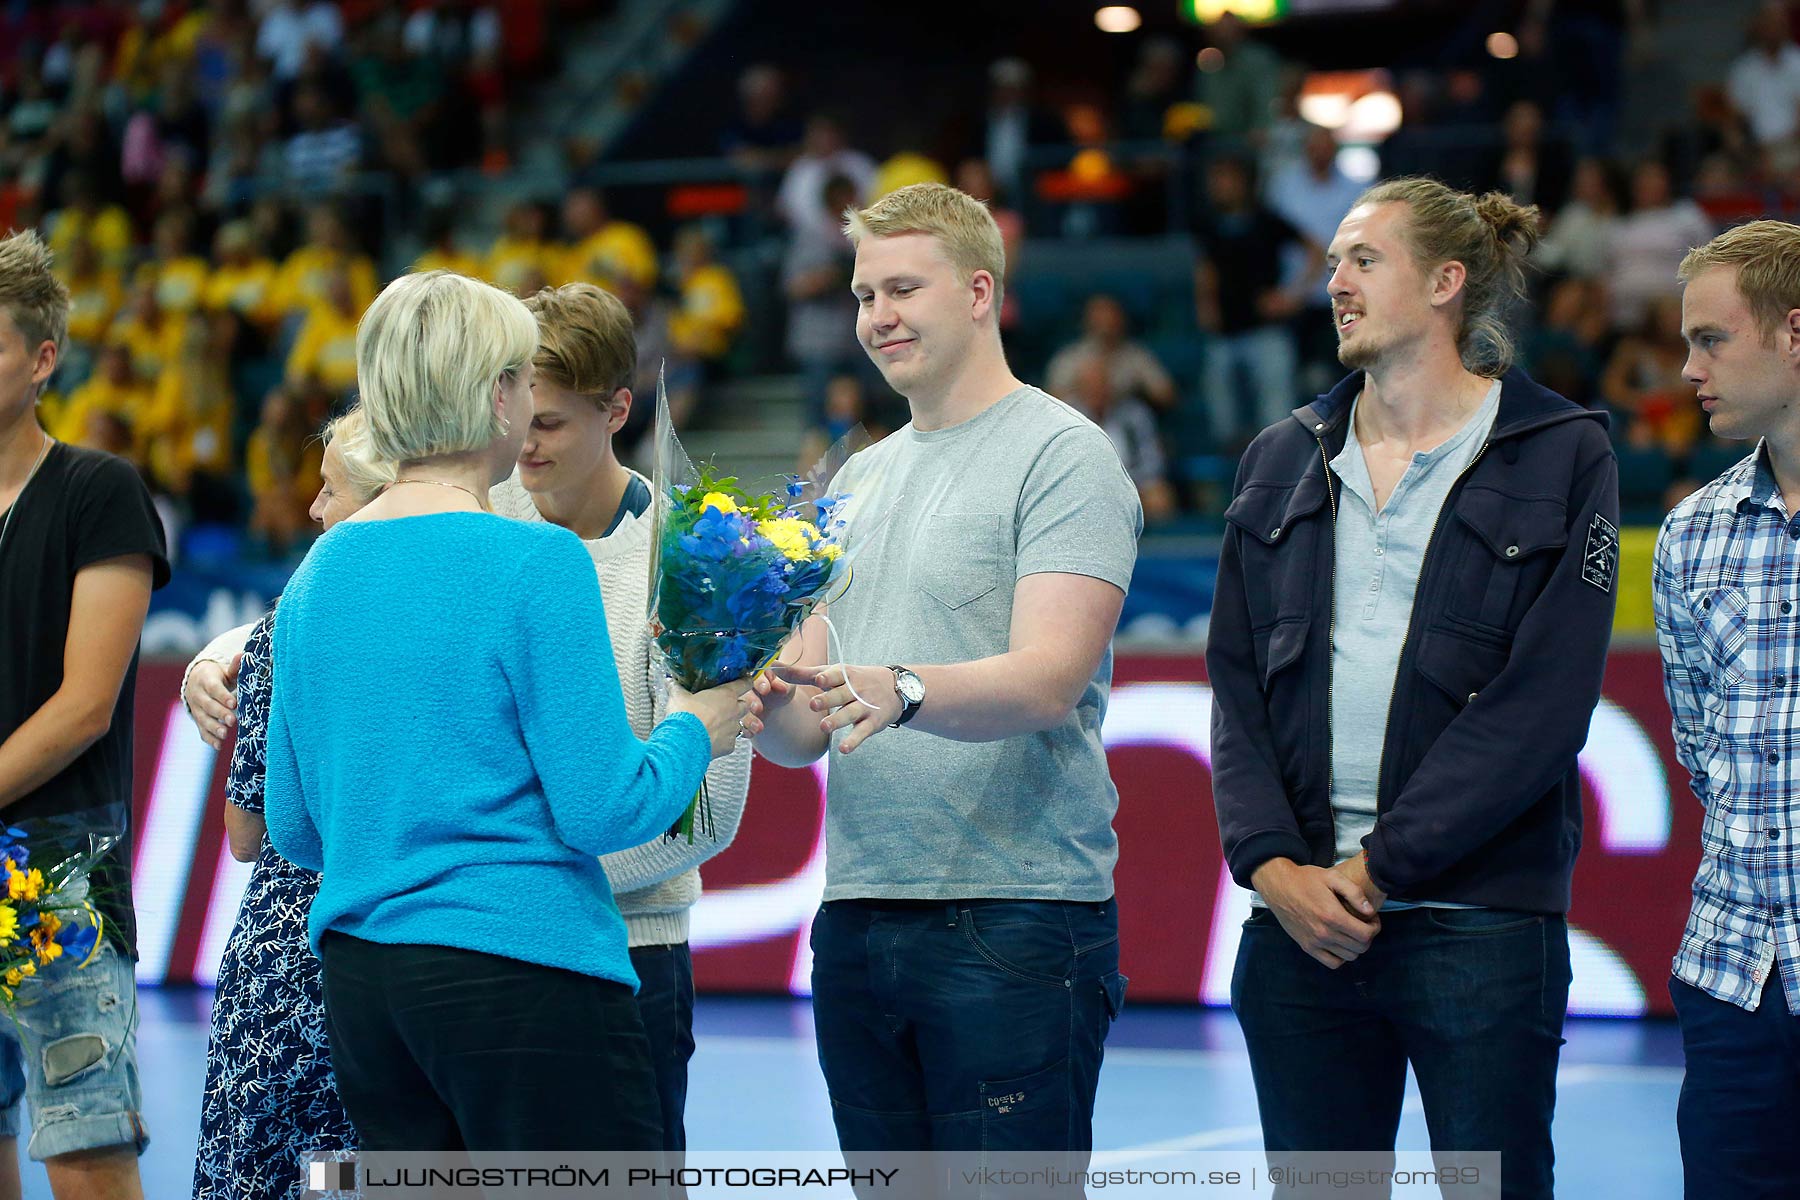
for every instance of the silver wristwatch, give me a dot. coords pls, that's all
(912, 694)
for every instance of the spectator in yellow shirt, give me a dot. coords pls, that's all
(95, 293)
(115, 390)
(83, 218)
(604, 251)
(179, 275)
(281, 465)
(712, 307)
(151, 337)
(904, 169)
(186, 432)
(443, 254)
(242, 282)
(521, 255)
(109, 433)
(301, 282)
(324, 355)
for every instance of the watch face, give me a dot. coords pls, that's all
(910, 688)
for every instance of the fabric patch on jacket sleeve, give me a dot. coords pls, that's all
(1600, 561)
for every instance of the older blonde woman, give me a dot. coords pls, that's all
(569, 475)
(271, 1103)
(477, 984)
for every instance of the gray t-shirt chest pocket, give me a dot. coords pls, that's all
(961, 557)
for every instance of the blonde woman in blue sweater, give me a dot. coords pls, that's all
(477, 985)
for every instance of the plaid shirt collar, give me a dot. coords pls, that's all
(1751, 482)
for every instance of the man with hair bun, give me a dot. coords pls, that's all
(1409, 630)
(1730, 640)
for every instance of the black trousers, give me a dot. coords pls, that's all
(443, 1049)
(665, 1002)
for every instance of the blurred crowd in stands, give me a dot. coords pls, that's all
(203, 172)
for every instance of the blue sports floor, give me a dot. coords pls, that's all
(1174, 1079)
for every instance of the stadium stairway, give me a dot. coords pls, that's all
(751, 427)
(608, 71)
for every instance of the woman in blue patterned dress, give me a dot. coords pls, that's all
(271, 1104)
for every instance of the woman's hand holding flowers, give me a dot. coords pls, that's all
(724, 710)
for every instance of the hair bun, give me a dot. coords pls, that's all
(1515, 225)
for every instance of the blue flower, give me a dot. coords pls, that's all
(754, 604)
(716, 535)
(734, 658)
(721, 526)
(78, 938)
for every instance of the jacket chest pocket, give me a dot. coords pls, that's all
(1280, 564)
(1511, 547)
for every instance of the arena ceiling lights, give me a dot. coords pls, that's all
(1118, 18)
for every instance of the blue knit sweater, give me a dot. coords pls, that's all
(448, 745)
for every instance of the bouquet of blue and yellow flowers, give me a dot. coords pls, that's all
(738, 573)
(45, 913)
(732, 575)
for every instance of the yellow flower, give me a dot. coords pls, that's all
(9, 922)
(24, 885)
(43, 938)
(718, 500)
(790, 535)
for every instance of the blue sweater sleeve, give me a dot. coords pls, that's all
(292, 829)
(607, 790)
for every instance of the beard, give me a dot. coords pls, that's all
(1363, 353)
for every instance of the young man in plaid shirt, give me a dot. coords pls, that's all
(1727, 582)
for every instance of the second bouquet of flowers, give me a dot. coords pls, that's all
(45, 912)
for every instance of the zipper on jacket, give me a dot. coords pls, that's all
(1430, 542)
(1330, 638)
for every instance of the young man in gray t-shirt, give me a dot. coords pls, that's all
(965, 961)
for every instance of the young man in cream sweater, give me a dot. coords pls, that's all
(570, 476)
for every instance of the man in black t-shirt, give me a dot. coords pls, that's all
(81, 549)
(1244, 303)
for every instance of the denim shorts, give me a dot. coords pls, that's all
(72, 1052)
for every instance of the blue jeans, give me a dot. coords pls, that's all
(1740, 1095)
(1266, 359)
(964, 1024)
(665, 1000)
(1473, 998)
(73, 1055)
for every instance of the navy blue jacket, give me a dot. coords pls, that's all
(1479, 796)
